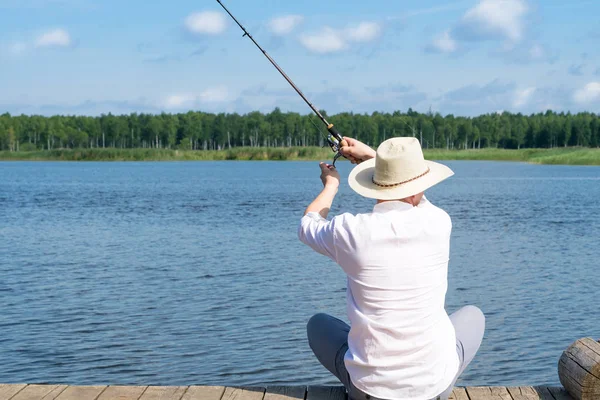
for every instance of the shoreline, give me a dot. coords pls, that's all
(555, 156)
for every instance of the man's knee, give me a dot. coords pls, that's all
(474, 311)
(316, 320)
(476, 315)
(315, 326)
(472, 319)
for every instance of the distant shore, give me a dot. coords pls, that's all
(563, 156)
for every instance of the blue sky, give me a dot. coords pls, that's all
(464, 57)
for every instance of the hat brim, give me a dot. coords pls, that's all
(361, 181)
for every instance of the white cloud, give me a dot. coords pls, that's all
(444, 43)
(494, 19)
(588, 94)
(206, 23)
(522, 97)
(54, 38)
(326, 41)
(364, 32)
(179, 100)
(330, 40)
(285, 25)
(217, 94)
(503, 21)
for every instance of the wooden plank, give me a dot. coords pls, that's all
(488, 393)
(8, 391)
(459, 394)
(326, 393)
(544, 393)
(246, 393)
(122, 393)
(204, 393)
(39, 392)
(560, 393)
(500, 392)
(81, 393)
(523, 393)
(63, 392)
(285, 393)
(55, 392)
(164, 393)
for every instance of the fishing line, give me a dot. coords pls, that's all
(334, 138)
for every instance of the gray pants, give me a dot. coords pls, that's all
(328, 338)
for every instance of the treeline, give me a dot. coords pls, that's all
(205, 131)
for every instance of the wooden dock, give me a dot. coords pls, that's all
(65, 392)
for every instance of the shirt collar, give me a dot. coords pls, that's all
(397, 205)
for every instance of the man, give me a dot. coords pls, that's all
(401, 344)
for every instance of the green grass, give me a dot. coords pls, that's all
(566, 156)
(563, 156)
(241, 153)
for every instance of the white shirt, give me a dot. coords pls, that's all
(402, 344)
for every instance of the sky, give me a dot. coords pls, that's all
(464, 57)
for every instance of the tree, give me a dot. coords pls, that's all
(518, 131)
(11, 138)
(199, 130)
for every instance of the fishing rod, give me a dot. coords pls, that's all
(334, 138)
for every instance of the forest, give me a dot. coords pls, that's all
(206, 131)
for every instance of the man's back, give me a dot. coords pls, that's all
(401, 340)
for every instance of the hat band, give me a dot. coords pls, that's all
(401, 183)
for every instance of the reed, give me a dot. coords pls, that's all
(565, 156)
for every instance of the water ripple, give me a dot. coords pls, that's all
(159, 273)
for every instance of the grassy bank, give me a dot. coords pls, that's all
(568, 156)
(563, 156)
(242, 153)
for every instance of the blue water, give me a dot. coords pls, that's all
(191, 273)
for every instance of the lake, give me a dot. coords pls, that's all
(191, 272)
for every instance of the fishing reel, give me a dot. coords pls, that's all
(335, 141)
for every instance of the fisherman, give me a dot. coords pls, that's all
(401, 344)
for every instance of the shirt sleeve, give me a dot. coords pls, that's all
(319, 233)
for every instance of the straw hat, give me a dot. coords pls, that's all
(398, 171)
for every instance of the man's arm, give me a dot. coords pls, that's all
(314, 230)
(322, 204)
(331, 182)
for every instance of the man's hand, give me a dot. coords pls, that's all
(356, 151)
(329, 176)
